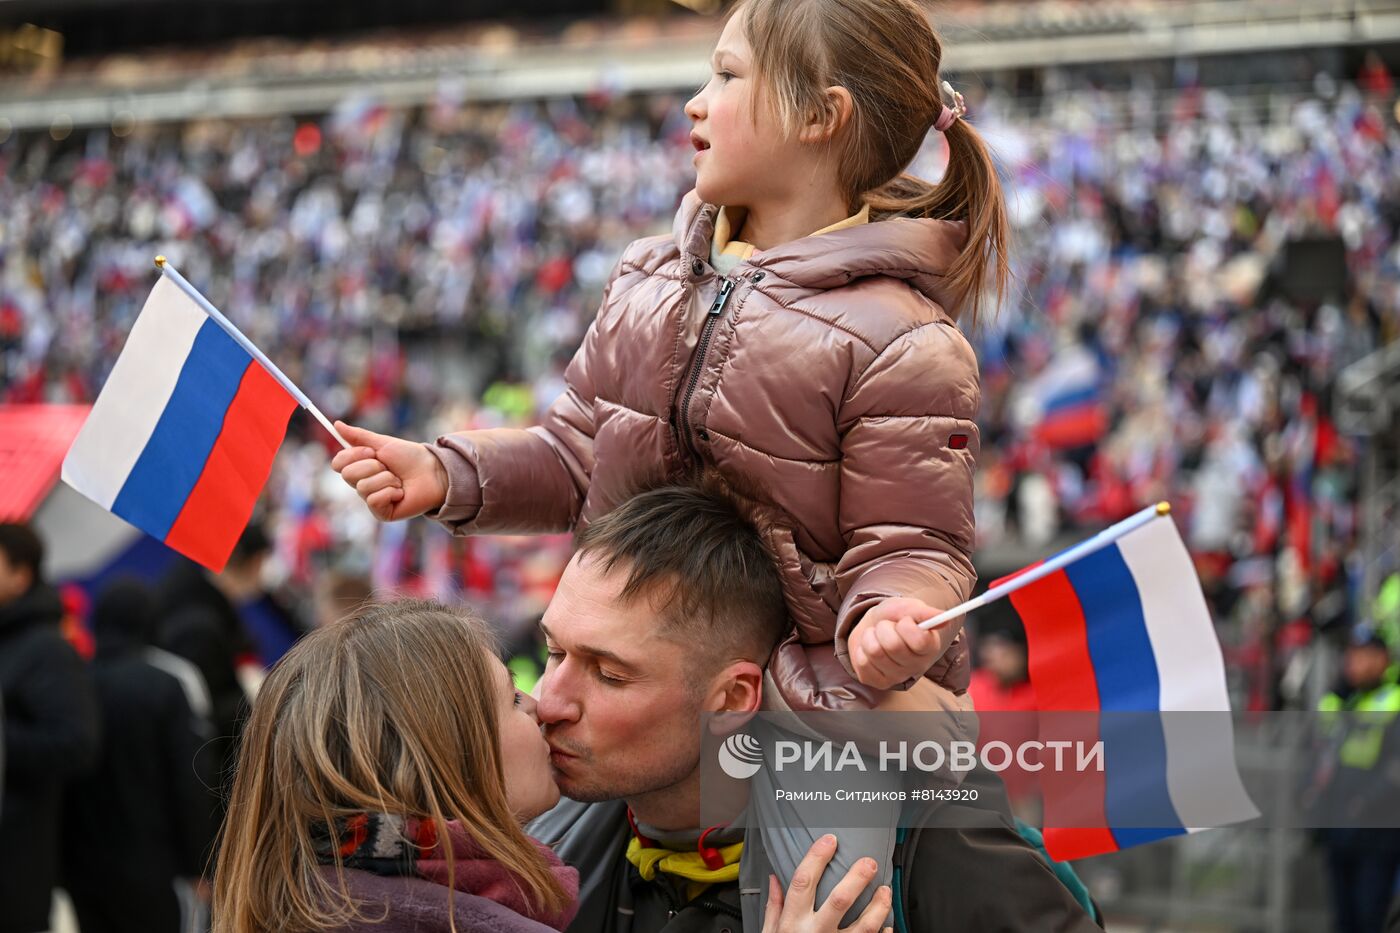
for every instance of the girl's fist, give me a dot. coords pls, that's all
(396, 478)
(887, 647)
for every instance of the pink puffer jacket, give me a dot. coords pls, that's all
(828, 371)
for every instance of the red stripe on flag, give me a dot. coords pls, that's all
(1067, 693)
(1073, 427)
(1065, 844)
(1057, 644)
(223, 497)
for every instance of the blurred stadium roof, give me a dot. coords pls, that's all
(97, 26)
(313, 54)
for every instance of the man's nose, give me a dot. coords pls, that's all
(555, 703)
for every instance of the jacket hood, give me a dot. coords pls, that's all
(185, 586)
(123, 618)
(917, 251)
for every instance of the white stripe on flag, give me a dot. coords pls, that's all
(1202, 777)
(1189, 664)
(135, 395)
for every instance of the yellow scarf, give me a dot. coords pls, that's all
(687, 865)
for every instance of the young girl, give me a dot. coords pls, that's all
(797, 333)
(800, 337)
(382, 784)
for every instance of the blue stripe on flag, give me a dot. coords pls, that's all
(174, 457)
(1137, 804)
(1074, 397)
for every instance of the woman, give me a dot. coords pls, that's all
(371, 792)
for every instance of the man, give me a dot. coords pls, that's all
(142, 818)
(1001, 687)
(200, 623)
(51, 730)
(269, 624)
(669, 610)
(1361, 785)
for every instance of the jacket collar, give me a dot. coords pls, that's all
(39, 605)
(917, 251)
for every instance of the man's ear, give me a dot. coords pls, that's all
(736, 697)
(835, 113)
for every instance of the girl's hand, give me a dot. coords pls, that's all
(396, 478)
(796, 914)
(887, 647)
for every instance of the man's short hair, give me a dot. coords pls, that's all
(696, 551)
(22, 547)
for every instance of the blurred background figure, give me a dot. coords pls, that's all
(1362, 779)
(1001, 689)
(143, 818)
(51, 730)
(198, 623)
(340, 595)
(1002, 679)
(268, 624)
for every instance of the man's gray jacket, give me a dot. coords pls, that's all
(983, 878)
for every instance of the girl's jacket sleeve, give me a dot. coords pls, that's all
(526, 480)
(909, 449)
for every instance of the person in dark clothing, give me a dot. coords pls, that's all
(199, 623)
(143, 816)
(51, 730)
(1362, 719)
(266, 620)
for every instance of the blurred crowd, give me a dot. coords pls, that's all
(432, 269)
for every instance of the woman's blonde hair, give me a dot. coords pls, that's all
(393, 710)
(887, 55)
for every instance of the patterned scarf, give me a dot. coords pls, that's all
(387, 844)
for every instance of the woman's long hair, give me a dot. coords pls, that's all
(393, 710)
(887, 55)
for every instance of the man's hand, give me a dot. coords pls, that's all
(396, 478)
(887, 647)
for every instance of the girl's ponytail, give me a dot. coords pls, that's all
(969, 191)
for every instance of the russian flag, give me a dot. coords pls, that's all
(181, 439)
(1072, 412)
(1120, 628)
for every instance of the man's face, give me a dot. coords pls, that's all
(1365, 665)
(618, 703)
(1004, 658)
(14, 581)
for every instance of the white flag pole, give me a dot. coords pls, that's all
(169, 272)
(1082, 549)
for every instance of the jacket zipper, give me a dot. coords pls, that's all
(711, 320)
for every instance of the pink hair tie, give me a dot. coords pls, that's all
(947, 115)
